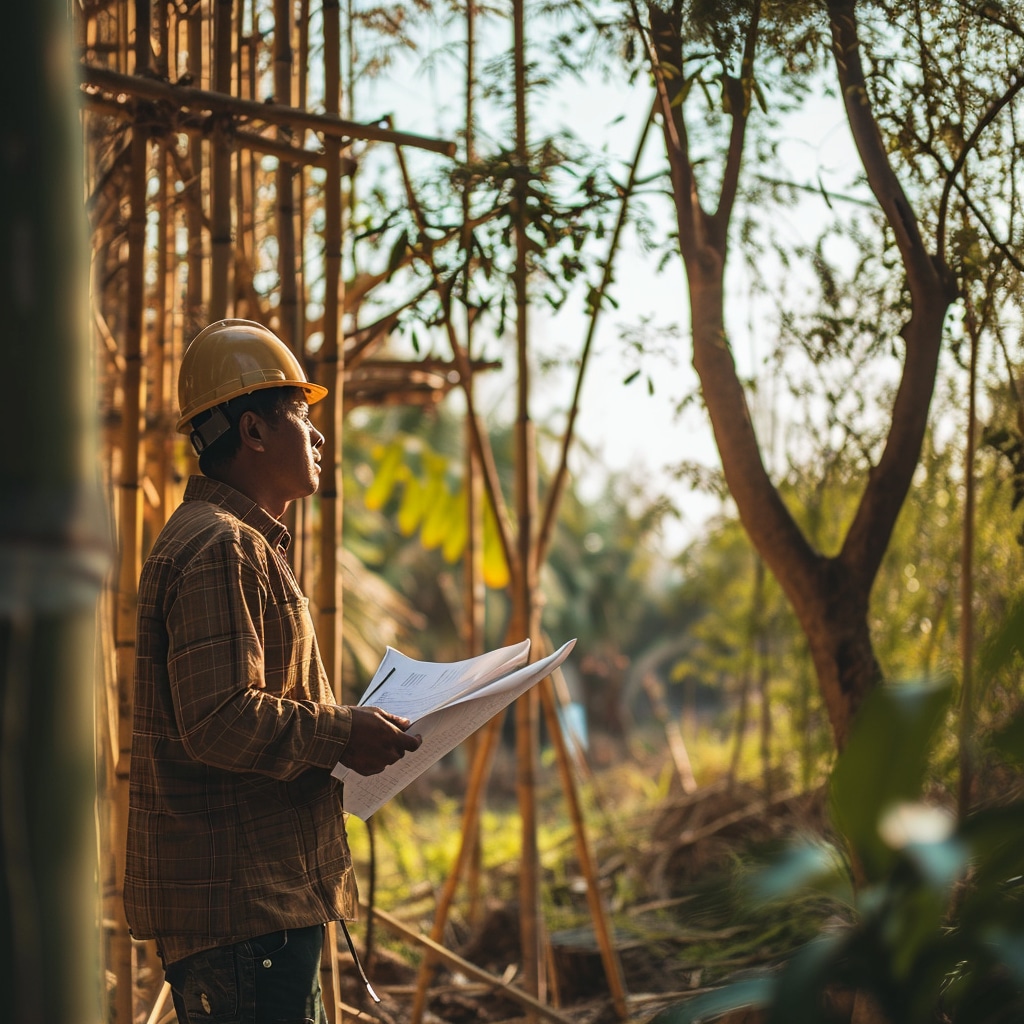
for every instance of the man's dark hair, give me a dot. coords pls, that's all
(267, 403)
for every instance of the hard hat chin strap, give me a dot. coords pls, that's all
(210, 429)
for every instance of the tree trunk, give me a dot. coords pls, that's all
(829, 595)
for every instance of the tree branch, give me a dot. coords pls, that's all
(932, 287)
(987, 118)
(741, 90)
(665, 54)
(882, 180)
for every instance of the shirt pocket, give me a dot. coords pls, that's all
(289, 645)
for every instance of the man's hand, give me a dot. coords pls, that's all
(378, 739)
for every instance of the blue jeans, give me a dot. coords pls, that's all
(272, 979)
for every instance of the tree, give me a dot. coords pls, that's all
(909, 78)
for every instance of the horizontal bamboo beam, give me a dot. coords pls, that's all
(249, 140)
(466, 967)
(187, 96)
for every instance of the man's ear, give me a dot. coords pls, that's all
(251, 429)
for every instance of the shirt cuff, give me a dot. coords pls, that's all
(333, 728)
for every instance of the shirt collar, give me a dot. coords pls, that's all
(203, 488)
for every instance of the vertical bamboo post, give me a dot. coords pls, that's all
(966, 723)
(527, 718)
(143, 43)
(157, 444)
(287, 328)
(476, 593)
(609, 956)
(221, 190)
(195, 317)
(245, 188)
(329, 594)
(130, 542)
(487, 742)
(52, 560)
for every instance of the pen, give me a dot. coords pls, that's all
(366, 696)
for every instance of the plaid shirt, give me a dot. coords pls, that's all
(235, 826)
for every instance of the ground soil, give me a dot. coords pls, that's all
(680, 934)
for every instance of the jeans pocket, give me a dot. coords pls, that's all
(268, 945)
(205, 986)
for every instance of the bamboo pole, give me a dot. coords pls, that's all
(220, 198)
(561, 474)
(525, 610)
(157, 449)
(966, 723)
(143, 49)
(609, 955)
(285, 182)
(473, 556)
(129, 548)
(245, 170)
(190, 98)
(332, 369)
(533, 1007)
(487, 742)
(195, 317)
(52, 554)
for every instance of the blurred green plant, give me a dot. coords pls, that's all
(932, 929)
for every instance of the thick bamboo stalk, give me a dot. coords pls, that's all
(52, 556)
(129, 520)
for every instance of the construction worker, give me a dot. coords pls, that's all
(237, 855)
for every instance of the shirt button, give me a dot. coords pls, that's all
(267, 963)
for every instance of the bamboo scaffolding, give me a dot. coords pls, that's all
(216, 204)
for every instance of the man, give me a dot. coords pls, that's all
(237, 854)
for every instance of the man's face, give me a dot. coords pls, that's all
(293, 449)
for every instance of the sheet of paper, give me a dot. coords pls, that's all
(413, 688)
(443, 730)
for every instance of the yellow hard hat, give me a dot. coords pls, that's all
(235, 357)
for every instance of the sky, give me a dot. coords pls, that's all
(630, 429)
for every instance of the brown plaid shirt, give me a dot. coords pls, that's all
(235, 826)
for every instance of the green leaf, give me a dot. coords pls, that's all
(1008, 742)
(751, 992)
(884, 764)
(809, 866)
(1006, 644)
(397, 253)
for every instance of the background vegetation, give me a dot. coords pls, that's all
(458, 271)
